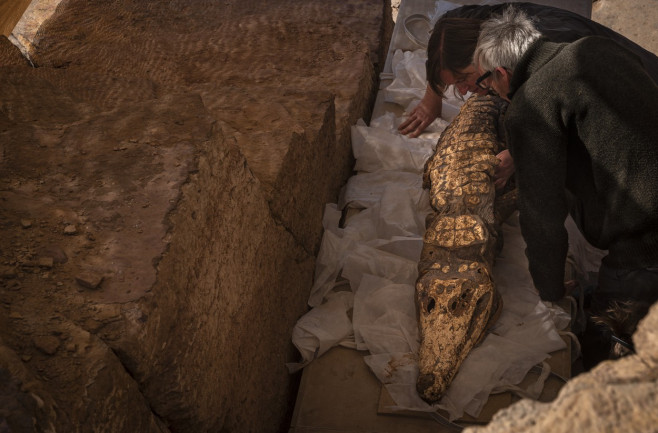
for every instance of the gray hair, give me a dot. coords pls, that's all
(504, 39)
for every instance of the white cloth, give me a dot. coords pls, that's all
(377, 253)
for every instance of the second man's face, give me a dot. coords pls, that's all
(464, 82)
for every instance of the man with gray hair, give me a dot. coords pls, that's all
(582, 128)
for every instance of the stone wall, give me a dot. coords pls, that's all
(10, 13)
(615, 396)
(163, 173)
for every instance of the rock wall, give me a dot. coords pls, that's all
(10, 12)
(615, 396)
(163, 174)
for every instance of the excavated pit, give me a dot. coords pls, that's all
(163, 174)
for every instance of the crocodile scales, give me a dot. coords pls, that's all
(455, 293)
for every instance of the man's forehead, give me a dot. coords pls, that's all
(450, 76)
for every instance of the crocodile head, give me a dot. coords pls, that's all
(455, 309)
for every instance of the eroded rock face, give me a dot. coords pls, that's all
(163, 173)
(10, 54)
(616, 396)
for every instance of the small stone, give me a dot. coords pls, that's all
(89, 280)
(26, 358)
(55, 252)
(45, 262)
(26, 224)
(70, 347)
(15, 315)
(70, 230)
(47, 344)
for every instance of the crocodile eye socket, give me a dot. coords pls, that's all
(481, 303)
(483, 299)
(430, 305)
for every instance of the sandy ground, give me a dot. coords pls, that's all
(635, 19)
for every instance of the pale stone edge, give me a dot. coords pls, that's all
(24, 33)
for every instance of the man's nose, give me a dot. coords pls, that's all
(463, 88)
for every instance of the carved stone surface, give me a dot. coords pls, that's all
(179, 155)
(455, 293)
(616, 396)
(10, 54)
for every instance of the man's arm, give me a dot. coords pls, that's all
(425, 113)
(539, 152)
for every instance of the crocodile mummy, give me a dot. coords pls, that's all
(455, 293)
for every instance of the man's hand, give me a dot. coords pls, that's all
(425, 113)
(569, 287)
(504, 170)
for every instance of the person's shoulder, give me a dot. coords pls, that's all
(598, 47)
(598, 42)
(594, 41)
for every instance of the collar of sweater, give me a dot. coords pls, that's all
(536, 56)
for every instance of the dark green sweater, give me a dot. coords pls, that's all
(584, 116)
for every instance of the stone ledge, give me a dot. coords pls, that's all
(127, 151)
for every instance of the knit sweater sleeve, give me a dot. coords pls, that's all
(538, 146)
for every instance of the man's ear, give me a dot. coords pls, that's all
(502, 72)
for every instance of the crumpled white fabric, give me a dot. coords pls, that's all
(378, 241)
(323, 328)
(365, 190)
(390, 122)
(586, 257)
(379, 149)
(409, 83)
(384, 316)
(376, 253)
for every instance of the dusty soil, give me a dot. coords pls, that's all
(163, 174)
